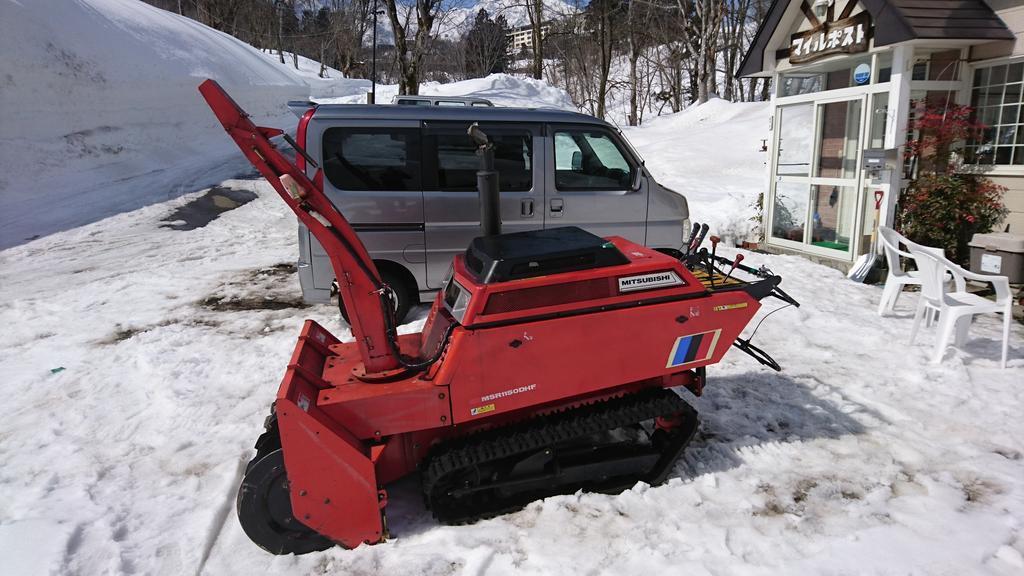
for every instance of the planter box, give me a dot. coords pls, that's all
(998, 253)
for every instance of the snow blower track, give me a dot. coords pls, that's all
(548, 433)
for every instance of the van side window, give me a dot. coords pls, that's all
(372, 158)
(451, 161)
(590, 160)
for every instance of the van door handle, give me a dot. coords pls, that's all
(557, 204)
(526, 208)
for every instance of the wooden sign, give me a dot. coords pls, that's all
(845, 36)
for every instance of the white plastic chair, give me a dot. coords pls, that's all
(898, 278)
(957, 309)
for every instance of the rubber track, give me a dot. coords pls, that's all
(538, 433)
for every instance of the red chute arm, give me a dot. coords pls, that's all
(358, 279)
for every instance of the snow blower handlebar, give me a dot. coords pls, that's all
(766, 284)
(366, 296)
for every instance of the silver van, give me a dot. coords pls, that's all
(405, 177)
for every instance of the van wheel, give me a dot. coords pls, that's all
(341, 308)
(405, 295)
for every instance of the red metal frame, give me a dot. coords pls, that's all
(300, 137)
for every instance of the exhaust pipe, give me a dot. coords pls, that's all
(486, 183)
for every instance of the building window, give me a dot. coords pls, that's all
(996, 99)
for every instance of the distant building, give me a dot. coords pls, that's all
(522, 37)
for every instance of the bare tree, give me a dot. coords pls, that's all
(410, 55)
(350, 23)
(535, 11)
(760, 10)
(638, 37)
(736, 14)
(701, 25)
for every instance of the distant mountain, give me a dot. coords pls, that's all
(458, 20)
(459, 16)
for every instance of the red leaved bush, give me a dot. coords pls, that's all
(944, 206)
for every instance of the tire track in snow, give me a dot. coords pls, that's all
(221, 516)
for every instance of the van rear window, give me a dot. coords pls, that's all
(386, 159)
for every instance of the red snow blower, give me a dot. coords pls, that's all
(546, 366)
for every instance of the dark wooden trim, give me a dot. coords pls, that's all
(850, 5)
(809, 14)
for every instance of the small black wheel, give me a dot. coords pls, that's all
(265, 510)
(406, 296)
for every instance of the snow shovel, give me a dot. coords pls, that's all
(862, 267)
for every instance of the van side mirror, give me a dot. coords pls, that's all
(577, 160)
(638, 179)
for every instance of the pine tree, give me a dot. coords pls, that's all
(486, 45)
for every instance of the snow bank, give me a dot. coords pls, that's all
(100, 112)
(711, 154)
(502, 89)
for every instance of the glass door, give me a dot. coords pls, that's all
(816, 176)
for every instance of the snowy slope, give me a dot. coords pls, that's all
(133, 397)
(711, 154)
(333, 84)
(100, 112)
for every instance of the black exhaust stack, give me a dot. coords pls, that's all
(487, 183)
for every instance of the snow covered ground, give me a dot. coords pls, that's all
(140, 353)
(140, 359)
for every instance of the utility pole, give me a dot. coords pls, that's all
(373, 65)
(280, 29)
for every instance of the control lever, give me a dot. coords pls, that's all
(693, 235)
(700, 238)
(736, 262)
(711, 262)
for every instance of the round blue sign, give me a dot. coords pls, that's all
(862, 73)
